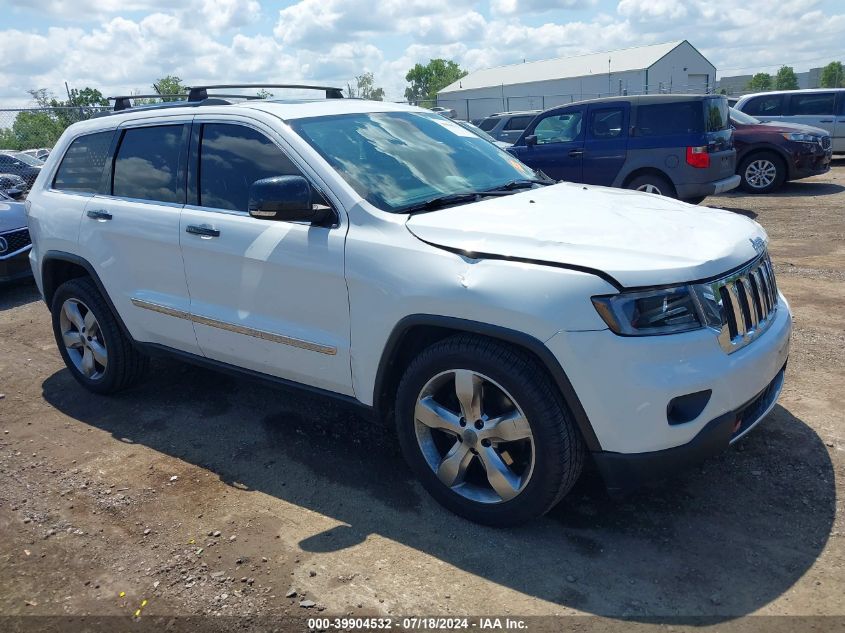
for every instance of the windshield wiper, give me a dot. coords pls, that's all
(452, 199)
(522, 184)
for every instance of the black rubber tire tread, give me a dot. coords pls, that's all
(126, 365)
(559, 448)
(666, 188)
(777, 161)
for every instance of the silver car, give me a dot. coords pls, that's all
(14, 240)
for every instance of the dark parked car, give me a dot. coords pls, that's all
(12, 185)
(769, 154)
(21, 165)
(507, 126)
(674, 145)
(15, 243)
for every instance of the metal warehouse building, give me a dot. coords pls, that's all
(670, 67)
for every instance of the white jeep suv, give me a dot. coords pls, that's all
(510, 328)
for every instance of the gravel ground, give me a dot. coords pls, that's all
(200, 493)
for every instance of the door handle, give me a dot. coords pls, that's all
(99, 214)
(202, 230)
(576, 152)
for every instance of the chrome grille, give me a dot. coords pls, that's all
(14, 241)
(748, 300)
(825, 142)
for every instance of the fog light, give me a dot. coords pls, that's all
(687, 408)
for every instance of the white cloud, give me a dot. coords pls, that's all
(521, 7)
(124, 45)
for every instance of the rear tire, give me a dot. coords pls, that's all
(761, 172)
(516, 460)
(96, 351)
(652, 183)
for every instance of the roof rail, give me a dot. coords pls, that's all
(124, 102)
(199, 93)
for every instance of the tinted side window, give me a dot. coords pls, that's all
(488, 124)
(765, 105)
(147, 163)
(518, 123)
(664, 119)
(82, 165)
(820, 103)
(559, 128)
(232, 157)
(606, 123)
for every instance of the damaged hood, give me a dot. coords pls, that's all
(639, 239)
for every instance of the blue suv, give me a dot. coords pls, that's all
(673, 145)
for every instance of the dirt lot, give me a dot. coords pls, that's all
(206, 494)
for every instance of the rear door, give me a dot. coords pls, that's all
(814, 108)
(130, 231)
(559, 150)
(606, 142)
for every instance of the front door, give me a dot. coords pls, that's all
(559, 148)
(814, 108)
(266, 295)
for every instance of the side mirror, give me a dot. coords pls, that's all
(531, 140)
(286, 199)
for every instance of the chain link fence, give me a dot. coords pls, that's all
(35, 128)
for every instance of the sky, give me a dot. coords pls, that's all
(122, 46)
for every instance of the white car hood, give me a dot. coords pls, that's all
(638, 239)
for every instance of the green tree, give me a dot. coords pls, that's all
(263, 94)
(833, 76)
(786, 79)
(365, 88)
(426, 81)
(760, 82)
(170, 85)
(32, 129)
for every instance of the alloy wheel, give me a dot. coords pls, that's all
(650, 188)
(83, 339)
(474, 436)
(760, 173)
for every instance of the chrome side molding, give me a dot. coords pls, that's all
(233, 327)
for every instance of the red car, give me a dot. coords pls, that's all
(769, 154)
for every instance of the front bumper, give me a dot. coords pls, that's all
(624, 472)
(806, 163)
(15, 266)
(625, 384)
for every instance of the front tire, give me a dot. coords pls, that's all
(97, 353)
(762, 172)
(486, 431)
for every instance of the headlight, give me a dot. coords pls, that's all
(801, 138)
(660, 311)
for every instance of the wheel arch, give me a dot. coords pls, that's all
(763, 149)
(416, 332)
(57, 267)
(646, 171)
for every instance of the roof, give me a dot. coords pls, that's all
(746, 97)
(637, 58)
(284, 109)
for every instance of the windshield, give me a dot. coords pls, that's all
(397, 160)
(29, 160)
(742, 118)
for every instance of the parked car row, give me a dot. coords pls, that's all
(15, 242)
(21, 164)
(682, 146)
